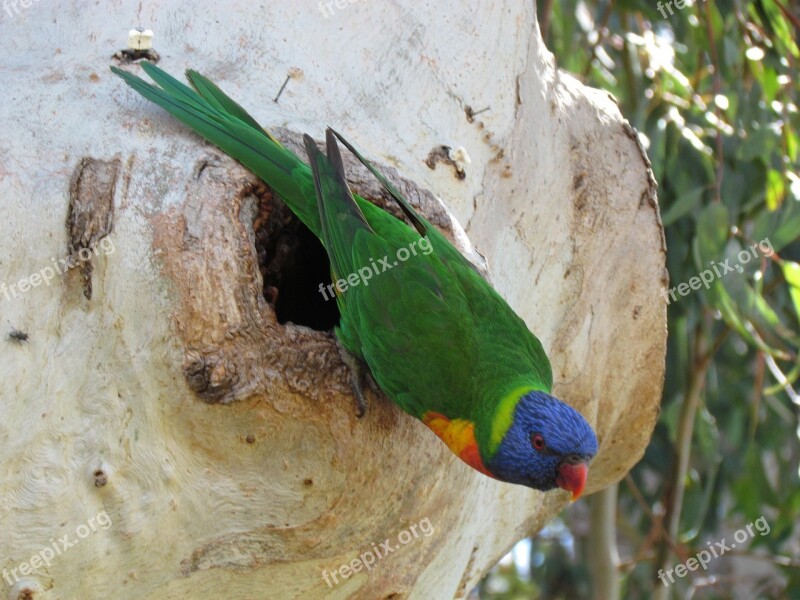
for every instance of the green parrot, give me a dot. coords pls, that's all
(434, 335)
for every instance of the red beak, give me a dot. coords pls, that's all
(572, 477)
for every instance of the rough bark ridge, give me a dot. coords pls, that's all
(166, 432)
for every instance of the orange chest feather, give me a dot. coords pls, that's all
(459, 435)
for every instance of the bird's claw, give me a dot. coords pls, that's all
(357, 372)
(361, 400)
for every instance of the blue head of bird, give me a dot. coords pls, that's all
(548, 444)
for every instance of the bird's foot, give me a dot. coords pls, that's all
(358, 371)
(372, 383)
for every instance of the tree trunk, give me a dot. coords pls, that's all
(178, 422)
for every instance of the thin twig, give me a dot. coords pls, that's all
(283, 87)
(782, 561)
(758, 386)
(544, 24)
(717, 85)
(781, 378)
(600, 28)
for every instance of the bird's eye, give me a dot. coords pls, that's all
(537, 441)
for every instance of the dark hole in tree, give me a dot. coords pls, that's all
(293, 264)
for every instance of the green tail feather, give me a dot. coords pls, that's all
(224, 123)
(224, 103)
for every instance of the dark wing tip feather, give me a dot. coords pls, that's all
(311, 147)
(333, 193)
(412, 215)
(335, 156)
(314, 157)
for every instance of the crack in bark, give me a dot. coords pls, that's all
(91, 212)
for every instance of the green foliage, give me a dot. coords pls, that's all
(712, 89)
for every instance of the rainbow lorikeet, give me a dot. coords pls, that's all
(435, 336)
